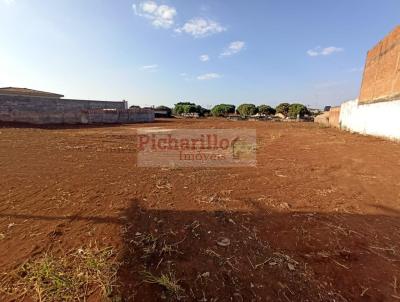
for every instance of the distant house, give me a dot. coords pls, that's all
(191, 115)
(14, 91)
(280, 115)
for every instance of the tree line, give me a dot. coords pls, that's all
(222, 110)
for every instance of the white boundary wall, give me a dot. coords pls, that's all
(378, 119)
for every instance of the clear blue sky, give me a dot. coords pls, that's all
(212, 51)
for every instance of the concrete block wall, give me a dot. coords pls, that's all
(378, 119)
(37, 110)
(118, 116)
(381, 80)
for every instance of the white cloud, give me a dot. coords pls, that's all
(149, 68)
(312, 53)
(233, 48)
(8, 2)
(204, 58)
(200, 27)
(208, 76)
(330, 50)
(318, 51)
(159, 15)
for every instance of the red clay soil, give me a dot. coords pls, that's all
(316, 220)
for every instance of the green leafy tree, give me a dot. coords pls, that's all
(283, 108)
(247, 109)
(184, 107)
(203, 111)
(165, 108)
(187, 108)
(297, 110)
(179, 108)
(223, 110)
(265, 109)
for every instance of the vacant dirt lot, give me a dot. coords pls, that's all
(316, 220)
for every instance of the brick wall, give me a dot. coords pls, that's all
(35, 110)
(381, 80)
(330, 118)
(334, 115)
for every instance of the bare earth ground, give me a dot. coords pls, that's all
(316, 220)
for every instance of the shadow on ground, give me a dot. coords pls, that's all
(170, 255)
(251, 256)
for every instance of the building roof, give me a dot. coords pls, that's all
(28, 92)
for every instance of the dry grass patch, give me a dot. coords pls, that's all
(167, 281)
(73, 277)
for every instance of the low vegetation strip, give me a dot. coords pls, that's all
(72, 277)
